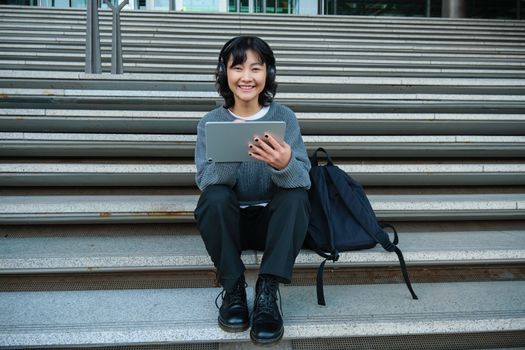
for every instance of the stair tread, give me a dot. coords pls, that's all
(122, 173)
(178, 138)
(179, 207)
(349, 116)
(186, 166)
(29, 144)
(76, 77)
(182, 251)
(325, 96)
(154, 316)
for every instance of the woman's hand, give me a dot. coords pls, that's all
(274, 153)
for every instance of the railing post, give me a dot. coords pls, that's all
(454, 8)
(93, 62)
(116, 41)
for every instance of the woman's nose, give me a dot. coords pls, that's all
(246, 75)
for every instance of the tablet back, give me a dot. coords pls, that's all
(228, 141)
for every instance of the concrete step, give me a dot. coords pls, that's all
(316, 24)
(209, 40)
(195, 81)
(182, 172)
(157, 316)
(300, 102)
(129, 58)
(172, 68)
(333, 48)
(158, 122)
(18, 144)
(353, 98)
(272, 32)
(29, 249)
(113, 208)
(280, 53)
(75, 16)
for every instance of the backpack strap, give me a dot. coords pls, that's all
(333, 255)
(315, 162)
(385, 225)
(401, 259)
(320, 287)
(369, 222)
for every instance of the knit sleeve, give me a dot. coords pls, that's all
(295, 175)
(211, 173)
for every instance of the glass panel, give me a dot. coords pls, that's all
(162, 4)
(376, 8)
(200, 5)
(282, 6)
(61, 3)
(270, 6)
(79, 3)
(232, 6)
(307, 7)
(245, 6)
(257, 6)
(16, 2)
(501, 9)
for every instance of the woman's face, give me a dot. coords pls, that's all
(246, 80)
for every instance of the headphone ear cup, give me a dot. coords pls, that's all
(271, 73)
(221, 74)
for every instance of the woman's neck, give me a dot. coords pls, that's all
(245, 110)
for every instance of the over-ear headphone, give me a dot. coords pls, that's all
(222, 77)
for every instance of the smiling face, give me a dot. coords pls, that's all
(246, 80)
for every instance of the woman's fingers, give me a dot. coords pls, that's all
(271, 151)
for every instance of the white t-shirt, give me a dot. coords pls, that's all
(262, 112)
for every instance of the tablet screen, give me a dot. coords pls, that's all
(228, 141)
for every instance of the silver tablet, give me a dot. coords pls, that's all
(228, 141)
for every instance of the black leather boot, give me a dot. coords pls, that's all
(267, 323)
(233, 313)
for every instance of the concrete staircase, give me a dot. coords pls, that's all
(98, 247)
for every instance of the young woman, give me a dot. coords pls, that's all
(260, 204)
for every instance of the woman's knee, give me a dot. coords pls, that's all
(218, 194)
(215, 196)
(294, 197)
(295, 194)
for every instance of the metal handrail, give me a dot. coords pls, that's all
(93, 60)
(116, 40)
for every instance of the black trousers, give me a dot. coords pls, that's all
(278, 229)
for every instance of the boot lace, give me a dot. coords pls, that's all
(266, 298)
(233, 297)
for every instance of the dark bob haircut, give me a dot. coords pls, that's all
(236, 48)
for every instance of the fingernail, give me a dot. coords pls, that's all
(250, 154)
(266, 136)
(256, 140)
(251, 146)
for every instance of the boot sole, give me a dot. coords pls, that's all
(233, 329)
(266, 342)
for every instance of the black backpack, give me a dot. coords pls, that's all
(342, 219)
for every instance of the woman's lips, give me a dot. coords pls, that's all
(246, 87)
